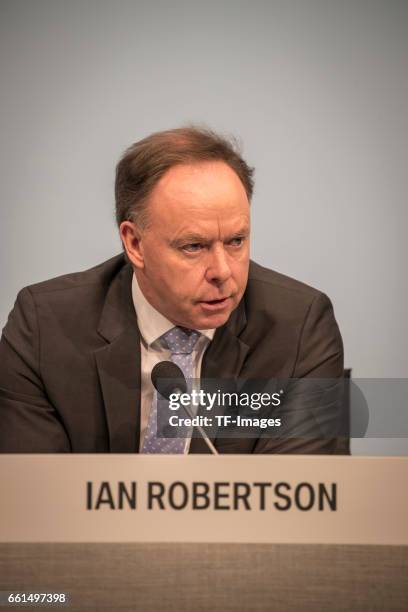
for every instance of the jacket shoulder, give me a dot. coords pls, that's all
(100, 275)
(265, 280)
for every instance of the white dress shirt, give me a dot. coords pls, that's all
(152, 324)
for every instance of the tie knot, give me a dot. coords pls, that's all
(180, 340)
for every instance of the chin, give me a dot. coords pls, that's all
(211, 321)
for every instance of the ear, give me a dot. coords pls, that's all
(131, 237)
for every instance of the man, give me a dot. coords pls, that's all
(77, 352)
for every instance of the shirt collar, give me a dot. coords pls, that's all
(152, 324)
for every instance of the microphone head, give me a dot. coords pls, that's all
(167, 378)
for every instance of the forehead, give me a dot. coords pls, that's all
(205, 187)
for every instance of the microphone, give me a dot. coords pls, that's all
(167, 378)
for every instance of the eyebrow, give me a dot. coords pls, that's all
(198, 238)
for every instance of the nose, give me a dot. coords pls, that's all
(218, 269)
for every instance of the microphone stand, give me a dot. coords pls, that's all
(202, 431)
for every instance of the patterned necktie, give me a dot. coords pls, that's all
(180, 341)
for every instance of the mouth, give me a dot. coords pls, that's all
(212, 305)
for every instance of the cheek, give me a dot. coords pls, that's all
(162, 267)
(240, 272)
(190, 275)
(183, 283)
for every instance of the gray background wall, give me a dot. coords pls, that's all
(317, 91)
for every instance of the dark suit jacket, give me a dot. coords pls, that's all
(70, 359)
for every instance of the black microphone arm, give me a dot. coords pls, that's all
(167, 378)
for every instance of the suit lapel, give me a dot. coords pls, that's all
(119, 363)
(223, 359)
(225, 355)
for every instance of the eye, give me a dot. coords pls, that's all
(236, 242)
(194, 247)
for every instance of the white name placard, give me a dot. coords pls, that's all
(203, 498)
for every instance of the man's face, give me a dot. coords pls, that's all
(193, 256)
